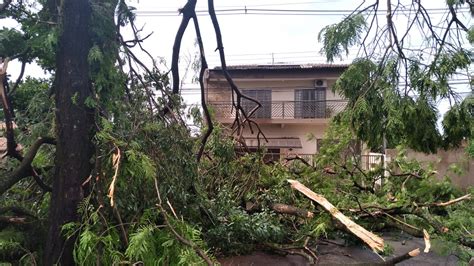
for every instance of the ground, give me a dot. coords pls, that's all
(334, 253)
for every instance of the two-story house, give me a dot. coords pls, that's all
(297, 102)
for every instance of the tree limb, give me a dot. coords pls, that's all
(188, 12)
(291, 210)
(202, 72)
(17, 211)
(24, 169)
(18, 80)
(403, 257)
(453, 201)
(236, 102)
(8, 113)
(375, 242)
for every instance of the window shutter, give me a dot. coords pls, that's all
(262, 96)
(298, 103)
(320, 97)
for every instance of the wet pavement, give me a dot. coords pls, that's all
(334, 253)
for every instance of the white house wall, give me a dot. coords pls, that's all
(303, 132)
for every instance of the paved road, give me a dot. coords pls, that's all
(332, 254)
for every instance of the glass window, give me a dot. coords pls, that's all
(264, 97)
(310, 103)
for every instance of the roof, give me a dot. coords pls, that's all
(287, 142)
(284, 67)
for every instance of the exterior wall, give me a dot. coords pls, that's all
(303, 132)
(330, 95)
(219, 91)
(442, 161)
(283, 85)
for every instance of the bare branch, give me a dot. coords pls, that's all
(188, 12)
(202, 72)
(239, 122)
(8, 113)
(18, 80)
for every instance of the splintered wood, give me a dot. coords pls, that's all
(373, 241)
(426, 237)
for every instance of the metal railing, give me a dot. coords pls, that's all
(366, 162)
(284, 109)
(370, 162)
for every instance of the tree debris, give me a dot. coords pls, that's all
(291, 210)
(372, 240)
(427, 241)
(403, 257)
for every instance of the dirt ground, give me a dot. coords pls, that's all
(336, 254)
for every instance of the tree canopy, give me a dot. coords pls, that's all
(404, 69)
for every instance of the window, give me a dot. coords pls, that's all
(310, 103)
(262, 96)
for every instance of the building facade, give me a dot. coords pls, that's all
(297, 103)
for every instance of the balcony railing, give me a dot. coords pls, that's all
(365, 162)
(283, 109)
(370, 162)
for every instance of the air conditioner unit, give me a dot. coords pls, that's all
(319, 83)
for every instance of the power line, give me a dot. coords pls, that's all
(297, 3)
(274, 4)
(268, 11)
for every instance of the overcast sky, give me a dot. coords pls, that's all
(248, 38)
(257, 38)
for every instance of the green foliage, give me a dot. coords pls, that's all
(25, 97)
(412, 193)
(155, 246)
(378, 109)
(340, 36)
(35, 40)
(11, 42)
(470, 148)
(420, 136)
(147, 243)
(458, 122)
(237, 231)
(470, 34)
(393, 89)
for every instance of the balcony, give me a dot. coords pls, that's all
(283, 111)
(365, 162)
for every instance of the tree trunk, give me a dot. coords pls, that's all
(75, 128)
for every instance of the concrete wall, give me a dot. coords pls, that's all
(442, 161)
(295, 131)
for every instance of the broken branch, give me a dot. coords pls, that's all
(291, 210)
(403, 257)
(372, 240)
(447, 203)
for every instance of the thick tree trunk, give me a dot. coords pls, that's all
(75, 128)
